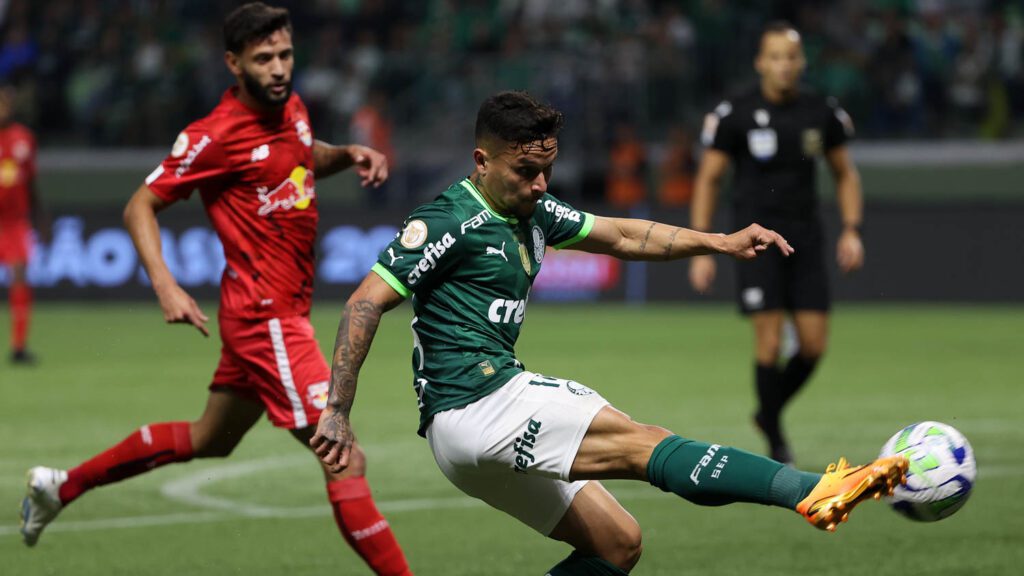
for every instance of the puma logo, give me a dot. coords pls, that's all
(497, 251)
(391, 252)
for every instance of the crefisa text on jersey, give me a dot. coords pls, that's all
(432, 252)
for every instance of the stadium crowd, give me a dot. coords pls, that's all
(116, 73)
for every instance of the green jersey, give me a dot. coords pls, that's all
(469, 272)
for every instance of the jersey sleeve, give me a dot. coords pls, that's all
(563, 225)
(838, 125)
(424, 252)
(720, 130)
(196, 160)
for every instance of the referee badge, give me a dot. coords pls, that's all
(763, 143)
(812, 142)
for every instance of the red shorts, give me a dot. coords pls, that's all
(278, 363)
(15, 242)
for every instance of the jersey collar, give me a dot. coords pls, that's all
(471, 188)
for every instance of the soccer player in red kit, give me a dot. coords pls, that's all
(253, 161)
(19, 208)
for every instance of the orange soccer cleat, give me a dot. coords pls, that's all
(843, 487)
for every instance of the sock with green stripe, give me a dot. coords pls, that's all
(579, 565)
(714, 475)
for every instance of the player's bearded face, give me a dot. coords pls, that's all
(266, 69)
(519, 175)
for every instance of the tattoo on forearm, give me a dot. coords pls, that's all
(355, 334)
(647, 236)
(671, 243)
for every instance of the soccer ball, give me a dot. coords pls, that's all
(941, 474)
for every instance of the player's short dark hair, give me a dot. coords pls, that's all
(518, 118)
(253, 22)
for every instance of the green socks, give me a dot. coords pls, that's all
(713, 475)
(579, 565)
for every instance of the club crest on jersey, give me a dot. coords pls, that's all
(414, 235)
(296, 192)
(305, 134)
(538, 244)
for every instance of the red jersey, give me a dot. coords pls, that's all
(254, 172)
(17, 170)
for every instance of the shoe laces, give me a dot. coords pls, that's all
(843, 464)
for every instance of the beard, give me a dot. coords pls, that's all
(262, 94)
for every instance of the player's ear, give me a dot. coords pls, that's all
(233, 62)
(480, 158)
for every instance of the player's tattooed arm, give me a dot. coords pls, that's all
(355, 334)
(371, 165)
(333, 438)
(632, 239)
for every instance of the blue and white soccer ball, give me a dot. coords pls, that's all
(941, 474)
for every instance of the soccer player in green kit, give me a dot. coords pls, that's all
(531, 445)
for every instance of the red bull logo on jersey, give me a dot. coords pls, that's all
(8, 172)
(296, 192)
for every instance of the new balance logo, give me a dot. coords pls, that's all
(497, 252)
(260, 153)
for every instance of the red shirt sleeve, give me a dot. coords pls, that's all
(196, 160)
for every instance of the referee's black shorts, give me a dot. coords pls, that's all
(776, 282)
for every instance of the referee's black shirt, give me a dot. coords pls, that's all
(774, 149)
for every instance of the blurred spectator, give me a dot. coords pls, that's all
(626, 185)
(131, 73)
(371, 127)
(676, 170)
(18, 53)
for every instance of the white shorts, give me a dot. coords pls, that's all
(515, 447)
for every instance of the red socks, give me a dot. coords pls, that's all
(20, 301)
(148, 447)
(364, 528)
(154, 445)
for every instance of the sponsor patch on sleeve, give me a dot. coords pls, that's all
(180, 145)
(414, 235)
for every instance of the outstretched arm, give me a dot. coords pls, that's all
(631, 239)
(333, 438)
(371, 165)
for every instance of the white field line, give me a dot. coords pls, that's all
(187, 490)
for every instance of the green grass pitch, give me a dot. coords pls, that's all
(108, 369)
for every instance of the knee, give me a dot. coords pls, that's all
(812, 350)
(627, 548)
(767, 350)
(206, 444)
(356, 465)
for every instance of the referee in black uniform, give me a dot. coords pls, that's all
(774, 134)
